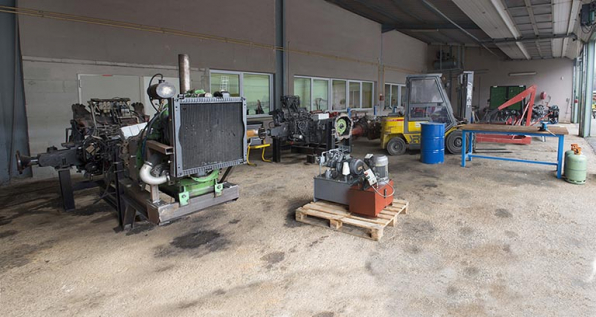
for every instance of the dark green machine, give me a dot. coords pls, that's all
(501, 94)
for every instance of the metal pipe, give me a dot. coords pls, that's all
(184, 72)
(433, 8)
(147, 178)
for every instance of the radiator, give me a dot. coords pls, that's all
(208, 134)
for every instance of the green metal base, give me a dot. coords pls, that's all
(190, 187)
(575, 182)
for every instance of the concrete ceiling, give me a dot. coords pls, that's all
(521, 29)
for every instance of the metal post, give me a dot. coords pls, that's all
(463, 149)
(119, 191)
(66, 189)
(330, 138)
(560, 155)
(281, 84)
(184, 72)
(586, 106)
(276, 149)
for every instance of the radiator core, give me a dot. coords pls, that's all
(209, 133)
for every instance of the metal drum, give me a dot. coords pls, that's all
(432, 145)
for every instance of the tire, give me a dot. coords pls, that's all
(453, 142)
(396, 146)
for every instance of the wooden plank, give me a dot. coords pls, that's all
(338, 217)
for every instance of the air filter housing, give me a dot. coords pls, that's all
(207, 134)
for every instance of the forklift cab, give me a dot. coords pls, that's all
(426, 101)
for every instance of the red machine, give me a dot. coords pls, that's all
(527, 113)
(370, 201)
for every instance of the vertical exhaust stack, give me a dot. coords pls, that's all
(184, 72)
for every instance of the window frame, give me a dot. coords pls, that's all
(330, 100)
(399, 94)
(241, 84)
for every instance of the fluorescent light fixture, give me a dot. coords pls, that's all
(522, 74)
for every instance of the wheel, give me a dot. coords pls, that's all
(396, 146)
(453, 143)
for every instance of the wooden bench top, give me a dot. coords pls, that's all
(515, 129)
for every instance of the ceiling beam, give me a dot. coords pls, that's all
(534, 26)
(440, 26)
(438, 12)
(531, 38)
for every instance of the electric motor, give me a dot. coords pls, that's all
(381, 168)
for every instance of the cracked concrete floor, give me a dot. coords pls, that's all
(493, 239)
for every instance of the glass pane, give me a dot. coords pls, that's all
(302, 90)
(257, 93)
(439, 114)
(320, 94)
(367, 95)
(420, 113)
(402, 102)
(394, 96)
(354, 95)
(425, 91)
(339, 95)
(387, 102)
(226, 82)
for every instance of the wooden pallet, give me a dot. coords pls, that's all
(340, 219)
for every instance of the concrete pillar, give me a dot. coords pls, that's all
(13, 118)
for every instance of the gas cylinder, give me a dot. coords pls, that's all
(576, 167)
(567, 155)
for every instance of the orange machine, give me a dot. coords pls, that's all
(370, 201)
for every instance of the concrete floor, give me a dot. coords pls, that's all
(493, 239)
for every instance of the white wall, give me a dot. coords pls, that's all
(402, 56)
(315, 25)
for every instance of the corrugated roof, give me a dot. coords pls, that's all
(522, 29)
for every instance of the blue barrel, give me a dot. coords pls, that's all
(432, 145)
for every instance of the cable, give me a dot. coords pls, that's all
(382, 195)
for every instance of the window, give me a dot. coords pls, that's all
(339, 95)
(257, 91)
(302, 90)
(395, 95)
(320, 94)
(256, 88)
(226, 82)
(367, 95)
(425, 91)
(323, 94)
(354, 96)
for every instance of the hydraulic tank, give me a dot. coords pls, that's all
(576, 168)
(432, 146)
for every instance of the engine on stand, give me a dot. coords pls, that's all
(363, 185)
(159, 169)
(306, 132)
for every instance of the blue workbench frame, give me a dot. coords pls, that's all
(467, 148)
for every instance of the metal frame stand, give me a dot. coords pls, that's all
(467, 149)
(66, 189)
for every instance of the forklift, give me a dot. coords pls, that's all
(426, 101)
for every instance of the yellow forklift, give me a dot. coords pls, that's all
(426, 101)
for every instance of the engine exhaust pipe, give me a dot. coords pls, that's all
(184, 72)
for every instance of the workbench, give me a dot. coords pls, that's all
(470, 130)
